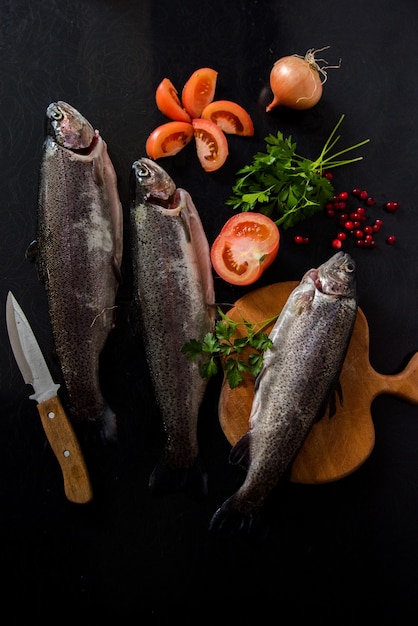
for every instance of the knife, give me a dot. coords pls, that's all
(57, 427)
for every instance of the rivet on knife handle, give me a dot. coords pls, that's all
(67, 449)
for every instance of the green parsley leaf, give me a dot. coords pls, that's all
(286, 186)
(224, 346)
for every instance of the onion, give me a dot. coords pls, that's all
(296, 81)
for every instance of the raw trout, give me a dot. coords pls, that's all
(78, 251)
(174, 303)
(299, 379)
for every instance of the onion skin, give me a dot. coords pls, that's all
(295, 82)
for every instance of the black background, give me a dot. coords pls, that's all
(340, 553)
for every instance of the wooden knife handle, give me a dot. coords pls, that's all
(66, 448)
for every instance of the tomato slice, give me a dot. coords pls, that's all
(211, 144)
(199, 91)
(169, 103)
(168, 139)
(229, 116)
(246, 246)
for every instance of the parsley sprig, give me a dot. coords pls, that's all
(281, 182)
(226, 346)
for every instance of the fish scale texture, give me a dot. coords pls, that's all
(173, 311)
(75, 247)
(299, 378)
(172, 308)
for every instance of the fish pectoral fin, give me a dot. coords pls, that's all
(337, 391)
(116, 269)
(330, 401)
(31, 254)
(240, 453)
(32, 250)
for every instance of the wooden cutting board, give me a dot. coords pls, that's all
(336, 446)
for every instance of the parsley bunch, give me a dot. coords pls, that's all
(224, 345)
(279, 181)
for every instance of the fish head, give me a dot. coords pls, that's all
(151, 183)
(337, 276)
(69, 128)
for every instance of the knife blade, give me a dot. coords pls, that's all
(56, 424)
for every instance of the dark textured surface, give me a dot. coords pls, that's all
(342, 553)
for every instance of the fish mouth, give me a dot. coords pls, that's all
(335, 278)
(85, 151)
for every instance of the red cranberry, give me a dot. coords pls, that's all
(392, 206)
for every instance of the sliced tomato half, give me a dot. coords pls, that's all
(211, 144)
(246, 246)
(168, 139)
(199, 91)
(229, 116)
(169, 103)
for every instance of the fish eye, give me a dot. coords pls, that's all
(57, 115)
(350, 267)
(142, 171)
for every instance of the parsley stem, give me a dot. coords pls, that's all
(283, 181)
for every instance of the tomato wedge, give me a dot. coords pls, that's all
(246, 246)
(229, 116)
(211, 144)
(168, 139)
(168, 102)
(199, 91)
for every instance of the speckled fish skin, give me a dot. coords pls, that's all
(174, 300)
(79, 251)
(300, 376)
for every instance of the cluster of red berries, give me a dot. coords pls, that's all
(354, 224)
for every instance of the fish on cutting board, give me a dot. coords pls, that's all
(174, 301)
(298, 381)
(78, 251)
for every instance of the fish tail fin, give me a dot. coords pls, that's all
(192, 480)
(229, 520)
(102, 430)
